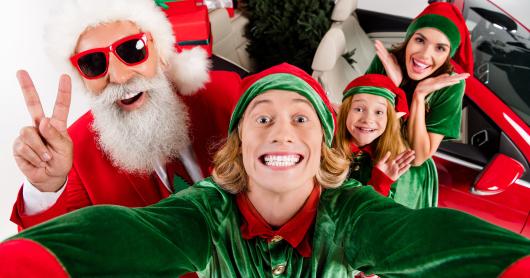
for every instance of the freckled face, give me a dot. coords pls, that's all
(426, 51)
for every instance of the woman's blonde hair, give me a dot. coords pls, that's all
(229, 172)
(390, 141)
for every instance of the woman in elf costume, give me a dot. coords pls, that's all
(422, 67)
(369, 131)
(276, 206)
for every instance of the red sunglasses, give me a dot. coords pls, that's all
(94, 63)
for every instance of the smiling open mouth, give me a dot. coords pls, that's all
(419, 65)
(131, 98)
(365, 130)
(281, 160)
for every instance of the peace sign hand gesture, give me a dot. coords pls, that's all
(44, 151)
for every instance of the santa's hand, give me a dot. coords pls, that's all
(394, 168)
(44, 151)
(429, 85)
(389, 61)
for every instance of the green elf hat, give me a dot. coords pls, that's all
(379, 85)
(289, 78)
(447, 18)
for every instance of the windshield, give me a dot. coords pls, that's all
(501, 48)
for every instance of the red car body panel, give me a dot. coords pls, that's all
(509, 209)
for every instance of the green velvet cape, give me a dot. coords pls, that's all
(198, 230)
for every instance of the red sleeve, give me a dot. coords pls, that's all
(380, 181)
(25, 258)
(520, 268)
(73, 197)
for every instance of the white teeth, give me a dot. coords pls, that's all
(366, 129)
(281, 160)
(421, 65)
(130, 95)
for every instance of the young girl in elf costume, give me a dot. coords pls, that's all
(422, 67)
(369, 130)
(275, 206)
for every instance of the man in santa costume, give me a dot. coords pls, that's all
(156, 114)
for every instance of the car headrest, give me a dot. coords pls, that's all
(343, 9)
(220, 24)
(331, 48)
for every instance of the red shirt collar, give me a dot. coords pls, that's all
(295, 231)
(367, 149)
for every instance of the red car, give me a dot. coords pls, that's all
(486, 173)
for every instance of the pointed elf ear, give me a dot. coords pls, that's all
(400, 114)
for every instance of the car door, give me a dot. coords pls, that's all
(459, 164)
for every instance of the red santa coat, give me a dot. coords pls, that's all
(94, 180)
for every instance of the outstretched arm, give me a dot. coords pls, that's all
(390, 240)
(166, 239)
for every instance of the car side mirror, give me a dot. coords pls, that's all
(501, 172)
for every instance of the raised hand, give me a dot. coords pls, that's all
(394, 168)
(44, 151)
(429, 85)
(389, 61)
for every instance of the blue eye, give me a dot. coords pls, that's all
(263, 120)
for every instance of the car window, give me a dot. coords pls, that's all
(501, 48)
(481, 139)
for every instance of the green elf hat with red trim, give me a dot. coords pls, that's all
(447, 18)
(379, 85)
(289, 78)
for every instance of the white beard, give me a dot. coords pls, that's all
(135, 141)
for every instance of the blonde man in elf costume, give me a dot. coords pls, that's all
(368, 132)
(154, 113)
(275, 206)
(421, 66)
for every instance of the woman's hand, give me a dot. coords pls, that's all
(429, 85)
(389, 61)
(394, 168)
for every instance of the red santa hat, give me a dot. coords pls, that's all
(188, 68)
(447, 18)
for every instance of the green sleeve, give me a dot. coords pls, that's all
(444, 113)
(376, 66)
(390, 240)
(166, 239)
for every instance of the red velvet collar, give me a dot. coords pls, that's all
(367, 149)
(295, 231)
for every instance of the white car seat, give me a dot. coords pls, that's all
(330, 68)
(228, 37)
(359, 47)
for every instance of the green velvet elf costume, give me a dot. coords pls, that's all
(418, 188)
(208, 230)
(362, 157)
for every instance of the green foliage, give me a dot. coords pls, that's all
(286, 30)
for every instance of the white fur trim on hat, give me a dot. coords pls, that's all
(73, 17)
